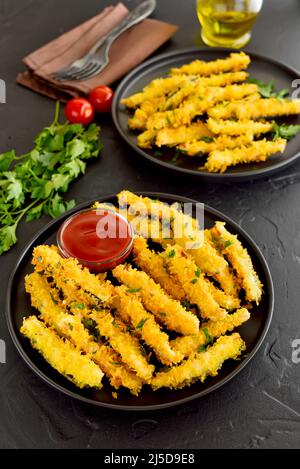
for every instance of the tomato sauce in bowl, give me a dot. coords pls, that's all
(99, 239)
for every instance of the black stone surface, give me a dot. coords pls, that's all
(258, 409)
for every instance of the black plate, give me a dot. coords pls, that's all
(261, 67)
(253, 332)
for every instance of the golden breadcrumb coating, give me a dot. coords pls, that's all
(147, 138)
(141, 115)
(153, 264)
(260, 150)
(202, 365)
(192, 280)
(223, 142)
(230, 127)
(62, 355)
(131, 310)
(241, 261)
(198, 103)
(254, 110)
(46, 300)
(191, 344)
(182, 134)
(168, 311)
(233, 63)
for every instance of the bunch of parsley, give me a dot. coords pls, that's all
(33, 184)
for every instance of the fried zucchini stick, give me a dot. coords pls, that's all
(153, 264)
(131, 310)
(233, 63)
(169, 311)
(46, 259)
(202, 365)
(194, 106)
(254, 110)
(241, 261)
(46, 300)
(260, 150)
(221, 143)
(147, 139)
(193, 282)
(141, 115)
(155, 89)
(62, 355)
(82, 295)
(191, 344)
(182, 134)
(229, 127)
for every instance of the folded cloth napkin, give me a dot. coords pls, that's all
(131, 48)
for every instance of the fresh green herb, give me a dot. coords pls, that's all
(53, 298)
(133, 290)
(141, 324)
(172, 253)
(78, 305)
(88, 323)
(157, 153)
(201, 348)
(285, 131)
(198, 272)
(116, 363)
(163, 315)
(186, 304)
(207, 139)
(71, 326)
(228, 243)
(267, 90)
(176, 156)
(194, 280)
(143, 351)
(33, 184)
(209, 338)
(115, 324)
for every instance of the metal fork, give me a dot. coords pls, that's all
(98, 57)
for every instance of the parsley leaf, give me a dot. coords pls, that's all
(267, 90)
(172, 253)
(141, 324)
(285, 131)
(209, 338)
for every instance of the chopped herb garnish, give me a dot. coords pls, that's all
(228, 243)
(176, 156)
(71, 326)
(157, 153)
(78, 305)
(198, 272)
(141, 324)
(201, 348)
(88, 323)
(172, 253)
(194, 280)
(163, 315)
(133, 290)
(115, 324)
(53, 298)
(116, 363)
(143, 351)
(209, 338)
(186, 304)
(207, 139)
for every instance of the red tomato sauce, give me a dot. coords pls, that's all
(99, 239)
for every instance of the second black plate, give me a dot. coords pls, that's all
(261, 67)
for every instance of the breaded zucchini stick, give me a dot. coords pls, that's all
(239, 258)
(257, 151)
(193, 282)
(198, 103)
(141, 115)
(147, 139)
(62, 355)
(202, 365)
(182, 134)
(229, 127)
(233, 63)
(191, 344)
(46, 300)
(153, 264)
(169, 311)
(157, 88)
(46, 259)
(223, 142)
(254, 110)
(131, 310)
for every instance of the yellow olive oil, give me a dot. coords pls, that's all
(227, 23)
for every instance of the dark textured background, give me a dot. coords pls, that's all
(259, 408)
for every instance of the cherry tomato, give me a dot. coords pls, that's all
(79, 111)
(101, 98)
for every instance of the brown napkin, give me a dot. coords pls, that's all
(131, 48)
